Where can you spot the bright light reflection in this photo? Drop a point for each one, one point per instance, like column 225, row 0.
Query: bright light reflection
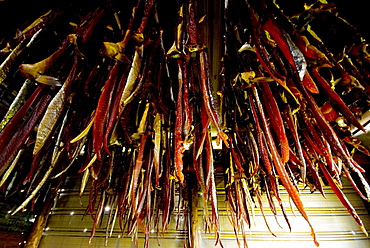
column 47, row 229
column 107, row 208
column 186, row 145
column 72, row 213
column 85, row 230
column 216, row 146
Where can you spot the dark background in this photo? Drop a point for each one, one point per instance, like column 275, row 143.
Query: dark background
column 13, row 12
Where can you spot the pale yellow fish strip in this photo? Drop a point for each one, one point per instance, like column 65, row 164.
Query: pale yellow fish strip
column 50, row 118
column 84, row 132
column 131, row 79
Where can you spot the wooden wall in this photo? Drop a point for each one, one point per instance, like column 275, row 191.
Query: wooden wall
column 333, row 225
